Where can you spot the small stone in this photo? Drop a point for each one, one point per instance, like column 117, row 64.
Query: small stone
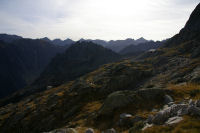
column 194, row 110
column 124, row 115
column 112, row 130
column 173, row 120
column 168, row 99
column 89, row 130
column 149, row 119
column 191, row 102
column 147, row 126
column 170, row 104
column 183, row 111
column 197, row 103
column 64, row 130
column 154, row 110
column 125, row 120
column 137, row 119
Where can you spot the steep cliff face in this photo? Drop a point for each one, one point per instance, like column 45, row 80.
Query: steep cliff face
column 193, row 24
column 191, row 31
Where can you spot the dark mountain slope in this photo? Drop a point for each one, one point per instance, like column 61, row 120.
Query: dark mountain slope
column 9, row 38
column 59, row 42
column 79, row 59
column 22, row 61
column 190, row 31
column 140, row 48
column 117, row 45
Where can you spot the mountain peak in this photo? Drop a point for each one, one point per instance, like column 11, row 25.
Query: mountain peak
column 141, row 40
column 46, row 39
column 193, row 24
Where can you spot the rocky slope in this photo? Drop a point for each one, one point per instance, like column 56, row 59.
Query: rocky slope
column 125, row 96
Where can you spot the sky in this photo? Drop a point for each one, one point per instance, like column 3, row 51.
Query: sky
column 95, row 19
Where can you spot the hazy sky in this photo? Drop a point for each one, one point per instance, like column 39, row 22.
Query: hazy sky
column 95, row 19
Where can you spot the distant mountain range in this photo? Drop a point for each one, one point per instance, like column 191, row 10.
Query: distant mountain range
column 30, row 57
column 115, row 45
column 142, row 47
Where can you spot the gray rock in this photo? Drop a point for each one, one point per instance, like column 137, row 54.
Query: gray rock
column 125, row 115
column 166, row 113
column 149, row 119
column 168, row 99
column 125, row 120
column 89, row 130
column 191, row 102
column 173, row 120
column 121, row 99
column 176, row 107
column 154, row 110
column 194, row 110
column 147, row 126
column 161, row 117
column 171, row 103
column 197, row 103
column 112, row 130
column 64, row 130
column 137, row 119
column 183, row 111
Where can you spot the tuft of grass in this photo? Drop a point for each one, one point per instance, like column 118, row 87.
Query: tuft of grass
column 188, row 90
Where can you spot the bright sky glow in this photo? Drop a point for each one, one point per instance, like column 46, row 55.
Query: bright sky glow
column 95, row 19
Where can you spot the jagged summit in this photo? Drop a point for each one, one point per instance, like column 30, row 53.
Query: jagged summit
column 193, row 24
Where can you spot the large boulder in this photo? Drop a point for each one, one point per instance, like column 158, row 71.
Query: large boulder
column 121, row 99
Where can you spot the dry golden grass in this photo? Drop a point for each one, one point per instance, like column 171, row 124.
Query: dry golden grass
column 183, row 91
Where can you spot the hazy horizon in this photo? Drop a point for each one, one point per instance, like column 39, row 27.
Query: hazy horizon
column 95, row 19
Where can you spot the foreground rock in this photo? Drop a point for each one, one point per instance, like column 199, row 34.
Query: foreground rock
column 64, row 130
column 170, row 115
column 122, row 99
column 112, row 130
column 89, row 130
